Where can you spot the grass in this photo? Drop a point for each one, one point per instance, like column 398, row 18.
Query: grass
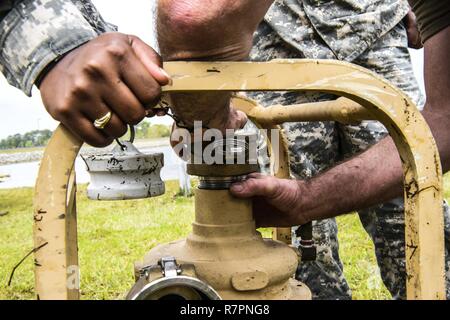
column 32, row 149
column 20, row 150
column 112, row 235
column 360, row 265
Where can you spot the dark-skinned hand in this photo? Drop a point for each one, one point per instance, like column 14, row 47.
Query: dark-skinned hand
column 115, row 73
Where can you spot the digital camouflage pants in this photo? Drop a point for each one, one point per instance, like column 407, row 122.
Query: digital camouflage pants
column 316, row 146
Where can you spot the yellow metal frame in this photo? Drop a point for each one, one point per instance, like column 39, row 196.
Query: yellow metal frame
column 55, row 220
column 55, row 214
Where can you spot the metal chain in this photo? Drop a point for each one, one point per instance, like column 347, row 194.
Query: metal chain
column 132, row 136
column 165, row 106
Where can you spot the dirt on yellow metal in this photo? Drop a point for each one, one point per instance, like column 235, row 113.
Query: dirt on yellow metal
column 411, row 134
column 230, row 255
column 55, row 219
column 343, row 110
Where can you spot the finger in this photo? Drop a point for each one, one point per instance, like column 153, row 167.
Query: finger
column 85, row 130
column 114, row 128
column 155, row 112
column 261, row 186
column 236, row 119
column 241, row 119
column 150, row 113
column 140, row 81
column 119, row 98
column 150, row 59
column 256, row 175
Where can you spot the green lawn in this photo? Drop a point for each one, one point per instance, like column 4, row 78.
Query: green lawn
column 19, row 150
column 112, row 235
column 148, row 141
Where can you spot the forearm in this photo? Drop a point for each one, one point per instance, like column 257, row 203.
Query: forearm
column 372, row 177
column 35, row 33
column 207, row 30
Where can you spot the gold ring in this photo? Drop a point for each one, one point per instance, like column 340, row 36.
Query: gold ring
column 101, row 123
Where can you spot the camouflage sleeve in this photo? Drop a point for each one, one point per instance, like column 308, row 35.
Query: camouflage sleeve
column 35, row 33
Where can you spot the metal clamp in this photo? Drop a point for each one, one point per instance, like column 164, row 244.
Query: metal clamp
column 169, row 267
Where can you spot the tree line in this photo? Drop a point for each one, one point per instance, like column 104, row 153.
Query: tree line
column 146, row 130
column 39, row 138
column 35, row 138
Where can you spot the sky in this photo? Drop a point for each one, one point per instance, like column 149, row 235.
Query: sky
column 19, row 114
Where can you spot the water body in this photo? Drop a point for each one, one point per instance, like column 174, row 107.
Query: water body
column 25, row 174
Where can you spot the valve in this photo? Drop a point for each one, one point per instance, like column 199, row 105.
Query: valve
column 235, row 157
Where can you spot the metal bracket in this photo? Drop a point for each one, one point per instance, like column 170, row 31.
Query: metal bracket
column 169, row 267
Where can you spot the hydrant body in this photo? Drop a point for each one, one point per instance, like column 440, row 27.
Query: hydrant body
column 229, row 255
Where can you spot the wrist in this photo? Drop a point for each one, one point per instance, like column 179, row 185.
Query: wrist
column 303, row 203
column 49, row 67
column 75, row 26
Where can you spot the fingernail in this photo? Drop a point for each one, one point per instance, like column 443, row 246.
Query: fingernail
column 169, row 79
column 237, row 187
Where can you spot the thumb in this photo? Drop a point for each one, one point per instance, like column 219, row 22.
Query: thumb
column 150, row 59
column 258, row 186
